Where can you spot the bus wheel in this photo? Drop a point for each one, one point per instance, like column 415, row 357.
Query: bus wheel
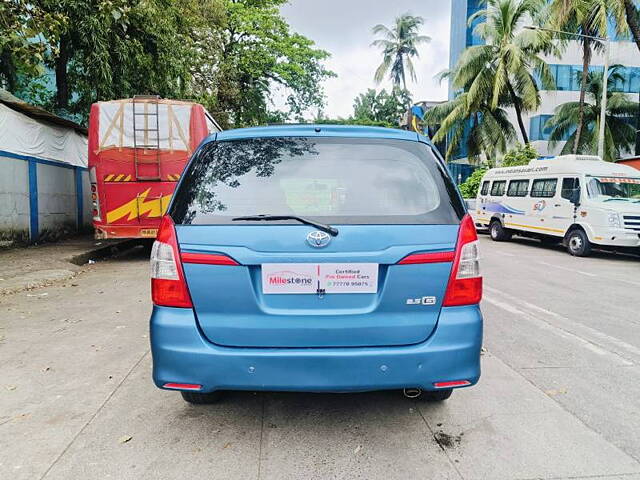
column 498, row 232
column 578, row 243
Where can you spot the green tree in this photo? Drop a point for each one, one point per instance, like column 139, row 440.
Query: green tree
column 501, row 72
column 620, row 133
column 104, row 49
column 493, row 77
column 256, row 55
column 519, row 155
column 399, row 45
column 591, row 18
column 473, row 124
column 365, row 122
column 469, row 188
column 381, row 106
column 631, row 16
column 21, row 47
column 233, row 55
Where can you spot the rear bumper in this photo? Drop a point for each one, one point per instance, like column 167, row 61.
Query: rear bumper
column 182, row 355
column 105, row 231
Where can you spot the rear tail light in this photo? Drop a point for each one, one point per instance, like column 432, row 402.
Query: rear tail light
column 168, row 284
column 431, row 257
column 95, row 199
column 207, row 259
column 455, row 383
column 182, row 386
column 95, row 202
column 465, row 282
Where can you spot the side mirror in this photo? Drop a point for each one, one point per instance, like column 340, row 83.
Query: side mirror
column 574, row 197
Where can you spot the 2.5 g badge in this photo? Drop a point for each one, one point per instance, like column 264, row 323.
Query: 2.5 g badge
column 422, row 301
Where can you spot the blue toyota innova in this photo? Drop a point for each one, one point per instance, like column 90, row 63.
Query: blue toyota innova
column 316, row 258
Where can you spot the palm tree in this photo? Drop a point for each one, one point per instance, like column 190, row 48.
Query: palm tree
column 631, row 16
column 502, row 70
column 620, row 132
column 484, row 130
column 399, row 45
column 587, row 17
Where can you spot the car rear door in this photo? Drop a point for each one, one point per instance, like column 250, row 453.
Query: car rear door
column 279, row 289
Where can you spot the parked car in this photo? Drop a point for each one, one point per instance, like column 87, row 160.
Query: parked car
column 579, row 200
column 316, row 258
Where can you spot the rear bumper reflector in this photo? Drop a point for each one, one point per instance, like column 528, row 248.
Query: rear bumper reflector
column 455, row 383
column 432, row 257
column 182, row 386
column 207, row 259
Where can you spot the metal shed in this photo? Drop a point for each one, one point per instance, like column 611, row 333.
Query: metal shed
column 44, row 183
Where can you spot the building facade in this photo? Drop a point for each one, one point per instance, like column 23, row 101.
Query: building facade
column 565, row 69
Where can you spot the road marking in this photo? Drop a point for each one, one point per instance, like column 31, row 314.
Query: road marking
column 505, row 306
column 563, row 332
column 544, row 325
column 637, row 284
column 568, row 269
column 597, row 333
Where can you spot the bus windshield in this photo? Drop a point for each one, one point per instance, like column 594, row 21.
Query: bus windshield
column 614, row 188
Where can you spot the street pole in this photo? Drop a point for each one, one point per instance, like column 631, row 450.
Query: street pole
column 603, row 102
column 638, row 128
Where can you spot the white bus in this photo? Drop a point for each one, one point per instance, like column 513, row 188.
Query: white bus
column 578, row 200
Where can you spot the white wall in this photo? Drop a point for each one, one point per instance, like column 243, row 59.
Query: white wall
column 14, row 198
column 57, row 206
column 57, row 200
column 40, row 142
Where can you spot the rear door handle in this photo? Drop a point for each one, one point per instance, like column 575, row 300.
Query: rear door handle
column 557, row 205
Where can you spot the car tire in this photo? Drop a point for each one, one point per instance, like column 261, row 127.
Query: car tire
column 578, row 243
column 436, row 395
column 197, row 398
column 498, row 233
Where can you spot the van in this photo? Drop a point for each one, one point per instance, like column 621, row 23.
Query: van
column 578, row 200
column 319, row 259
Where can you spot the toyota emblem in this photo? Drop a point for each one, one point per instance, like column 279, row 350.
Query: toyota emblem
column 318, row 239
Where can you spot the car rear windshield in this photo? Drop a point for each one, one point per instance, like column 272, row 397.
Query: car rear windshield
column 334, row 180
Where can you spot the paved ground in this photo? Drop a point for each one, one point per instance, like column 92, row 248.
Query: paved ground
column 559, row 396
column 40, row 265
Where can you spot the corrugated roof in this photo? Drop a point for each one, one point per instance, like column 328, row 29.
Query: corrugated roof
column 38, row 113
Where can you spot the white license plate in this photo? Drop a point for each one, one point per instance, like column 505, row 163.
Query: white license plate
column 288, row 278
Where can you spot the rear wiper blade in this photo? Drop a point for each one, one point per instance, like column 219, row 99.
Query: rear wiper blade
column 273, row 218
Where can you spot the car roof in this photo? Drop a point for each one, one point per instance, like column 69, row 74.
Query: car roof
column 318, row 130
column 565, row 165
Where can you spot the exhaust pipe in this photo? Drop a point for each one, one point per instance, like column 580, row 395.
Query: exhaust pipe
column 412, row 392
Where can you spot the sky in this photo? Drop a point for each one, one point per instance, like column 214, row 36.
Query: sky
column 343, row 28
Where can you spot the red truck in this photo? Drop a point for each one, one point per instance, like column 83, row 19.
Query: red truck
column 138, row 148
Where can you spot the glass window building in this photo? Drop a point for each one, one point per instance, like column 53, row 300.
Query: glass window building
column 566, row 71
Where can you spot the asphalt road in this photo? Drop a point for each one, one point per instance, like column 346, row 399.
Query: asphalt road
column 559, row 396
